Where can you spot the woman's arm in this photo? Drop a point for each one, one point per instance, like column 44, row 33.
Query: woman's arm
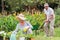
column 17, row 27
column 30, row 26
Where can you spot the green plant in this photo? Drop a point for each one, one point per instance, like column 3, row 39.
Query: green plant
column 8, row 23
column 57, row 11
column 36, row 20
column 57, row 21
column 57, row 17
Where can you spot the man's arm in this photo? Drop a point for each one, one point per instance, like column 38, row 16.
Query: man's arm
column 46, row 19
column 52, row 14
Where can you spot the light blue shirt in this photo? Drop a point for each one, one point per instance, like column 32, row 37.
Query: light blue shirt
column 27, row 24
column 49, row 12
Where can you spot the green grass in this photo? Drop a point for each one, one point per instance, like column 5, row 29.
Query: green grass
column 56, row 35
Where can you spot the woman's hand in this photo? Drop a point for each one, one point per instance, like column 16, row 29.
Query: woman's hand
column 25, row 29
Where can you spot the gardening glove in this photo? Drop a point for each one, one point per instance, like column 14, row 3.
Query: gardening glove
column 25, row 29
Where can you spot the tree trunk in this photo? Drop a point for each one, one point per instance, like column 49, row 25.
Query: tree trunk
column 59, row 3
column 2, row 6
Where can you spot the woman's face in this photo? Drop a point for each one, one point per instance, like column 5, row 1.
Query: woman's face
column 22, row 22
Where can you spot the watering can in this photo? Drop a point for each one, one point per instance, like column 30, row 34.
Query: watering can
column 13, row 36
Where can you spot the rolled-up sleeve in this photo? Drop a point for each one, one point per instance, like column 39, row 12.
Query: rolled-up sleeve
column 30, row 28
column 30, row 25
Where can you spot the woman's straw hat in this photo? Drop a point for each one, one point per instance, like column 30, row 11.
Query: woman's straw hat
column 21, row 16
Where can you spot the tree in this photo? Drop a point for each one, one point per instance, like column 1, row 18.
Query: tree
column 2, row 1
column 18, row 5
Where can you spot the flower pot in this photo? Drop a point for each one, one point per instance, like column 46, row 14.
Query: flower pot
column 7, row 39
column 32, row 39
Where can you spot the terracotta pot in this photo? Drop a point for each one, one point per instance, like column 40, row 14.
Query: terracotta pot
column 32, row 39
column 6, row 38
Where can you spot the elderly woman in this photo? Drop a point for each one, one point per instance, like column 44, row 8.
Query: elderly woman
column 23, row 25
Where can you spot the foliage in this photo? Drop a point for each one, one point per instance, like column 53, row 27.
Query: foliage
column 36, row 20
column 57, row 11
column 57, row 21
column 57, row 17
column 19, row 4
column 7, row 23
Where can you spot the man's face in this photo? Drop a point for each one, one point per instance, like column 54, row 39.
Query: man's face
column 46, row 7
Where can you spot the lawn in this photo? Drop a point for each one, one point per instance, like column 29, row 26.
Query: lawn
column 56, row 35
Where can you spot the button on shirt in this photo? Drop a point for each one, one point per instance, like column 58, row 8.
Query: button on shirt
column 49, row 12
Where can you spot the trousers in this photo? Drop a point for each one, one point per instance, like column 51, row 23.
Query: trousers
column 49, row 30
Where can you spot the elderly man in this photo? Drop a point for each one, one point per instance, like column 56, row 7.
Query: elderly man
column 50, row 18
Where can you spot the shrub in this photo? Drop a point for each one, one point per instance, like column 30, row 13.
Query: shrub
column 7, row 23
column 36, row 20
column 57, row 21
column 57, row 18
column 57, row 11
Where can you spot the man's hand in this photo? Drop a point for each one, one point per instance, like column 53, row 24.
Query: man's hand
column 46, row 21
column 51, row 17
